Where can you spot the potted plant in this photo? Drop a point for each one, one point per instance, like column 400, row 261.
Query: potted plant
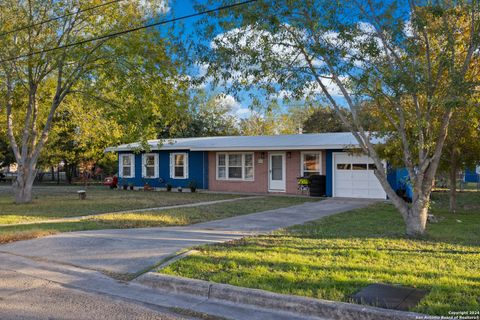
column 193, row 185
column 130, row 185
column 169, row 187
column 179, row 189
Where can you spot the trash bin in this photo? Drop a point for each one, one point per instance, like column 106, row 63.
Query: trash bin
column 82, row 194
column 317, row 185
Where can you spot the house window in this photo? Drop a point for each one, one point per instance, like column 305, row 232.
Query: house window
column 127, row 166
column 179, row 165
column 235, row 166
column 150, row 165
column 359, row 166
column 248, row 166
column 222, row 166
column 310, row 164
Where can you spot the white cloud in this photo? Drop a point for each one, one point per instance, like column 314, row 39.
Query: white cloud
column 281, row 48
column 153, row 8
column 282, row 94
column 332, row 88
column 236, row 108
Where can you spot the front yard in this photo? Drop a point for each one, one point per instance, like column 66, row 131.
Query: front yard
column 58, row 204
column 62, row 201
column 334, row 257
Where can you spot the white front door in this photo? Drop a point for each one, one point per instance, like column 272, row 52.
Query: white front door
column 276, row 180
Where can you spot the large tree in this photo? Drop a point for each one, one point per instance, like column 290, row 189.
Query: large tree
column 414, row 59
column 115, row 70
column 325, row 120
column 209, row 115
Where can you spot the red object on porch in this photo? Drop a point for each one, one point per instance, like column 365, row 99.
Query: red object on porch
column 112, row 182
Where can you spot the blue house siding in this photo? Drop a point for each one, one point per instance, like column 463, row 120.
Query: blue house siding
column 329, row 172
column 197, row 170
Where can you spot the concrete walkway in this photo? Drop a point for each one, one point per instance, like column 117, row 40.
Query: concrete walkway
column 131, row 251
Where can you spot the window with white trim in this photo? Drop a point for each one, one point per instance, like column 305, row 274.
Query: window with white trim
column 150, row 165
column 235, row 166
column 179, row 165
column 310, row 164
column 127, row 166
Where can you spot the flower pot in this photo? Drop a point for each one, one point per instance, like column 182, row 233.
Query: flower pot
column 125, row 187
column 193, row 189
column 131, row 187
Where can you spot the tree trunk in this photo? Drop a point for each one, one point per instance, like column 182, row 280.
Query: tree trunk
column 69, row 169
column 416, row 219
column 453, row 185
column 23, row 184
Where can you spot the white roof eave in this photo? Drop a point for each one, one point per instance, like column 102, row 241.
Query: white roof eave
column 270, row 148
column 245, row 148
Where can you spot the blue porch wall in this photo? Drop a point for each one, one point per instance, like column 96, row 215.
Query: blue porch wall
column 396, row 177
column 197, row 170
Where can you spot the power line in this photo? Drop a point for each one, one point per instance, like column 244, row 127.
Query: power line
column 119, row 33
column 59, row 17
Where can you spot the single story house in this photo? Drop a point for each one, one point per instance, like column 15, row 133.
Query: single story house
column 253, row 164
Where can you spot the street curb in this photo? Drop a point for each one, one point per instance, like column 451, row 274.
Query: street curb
column 268, row 300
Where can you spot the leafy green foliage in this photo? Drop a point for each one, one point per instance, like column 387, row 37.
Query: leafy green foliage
column 85, row 97
column 6, row 154
column 209, row 115
column 324, row 120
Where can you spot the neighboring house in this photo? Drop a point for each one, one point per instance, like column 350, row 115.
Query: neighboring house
column 254, row 164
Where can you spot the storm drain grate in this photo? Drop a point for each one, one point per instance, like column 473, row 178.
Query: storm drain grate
column 389, row 296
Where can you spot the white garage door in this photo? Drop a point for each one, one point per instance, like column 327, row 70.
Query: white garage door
column 353, row 177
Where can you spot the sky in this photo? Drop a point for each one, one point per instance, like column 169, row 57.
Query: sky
column 240, row 108
column 186, row 7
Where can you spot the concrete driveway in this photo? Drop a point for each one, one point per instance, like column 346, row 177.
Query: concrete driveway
column 130, row 251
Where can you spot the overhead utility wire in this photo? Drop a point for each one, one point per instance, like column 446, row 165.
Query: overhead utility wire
column 59, row 17
column 119, row 33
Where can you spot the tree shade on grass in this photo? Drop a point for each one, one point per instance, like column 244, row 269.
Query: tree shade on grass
column 334, row 257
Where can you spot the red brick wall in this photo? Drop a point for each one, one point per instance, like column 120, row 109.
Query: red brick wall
column 260, row 184
column 293, row 171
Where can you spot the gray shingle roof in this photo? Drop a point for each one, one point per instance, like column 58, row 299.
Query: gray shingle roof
column 337, row 140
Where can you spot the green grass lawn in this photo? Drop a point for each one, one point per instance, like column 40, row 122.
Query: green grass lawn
column 62, row 201
column 171, row 217
column 334, row 257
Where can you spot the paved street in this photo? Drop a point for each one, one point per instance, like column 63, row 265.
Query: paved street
column 28, row 297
